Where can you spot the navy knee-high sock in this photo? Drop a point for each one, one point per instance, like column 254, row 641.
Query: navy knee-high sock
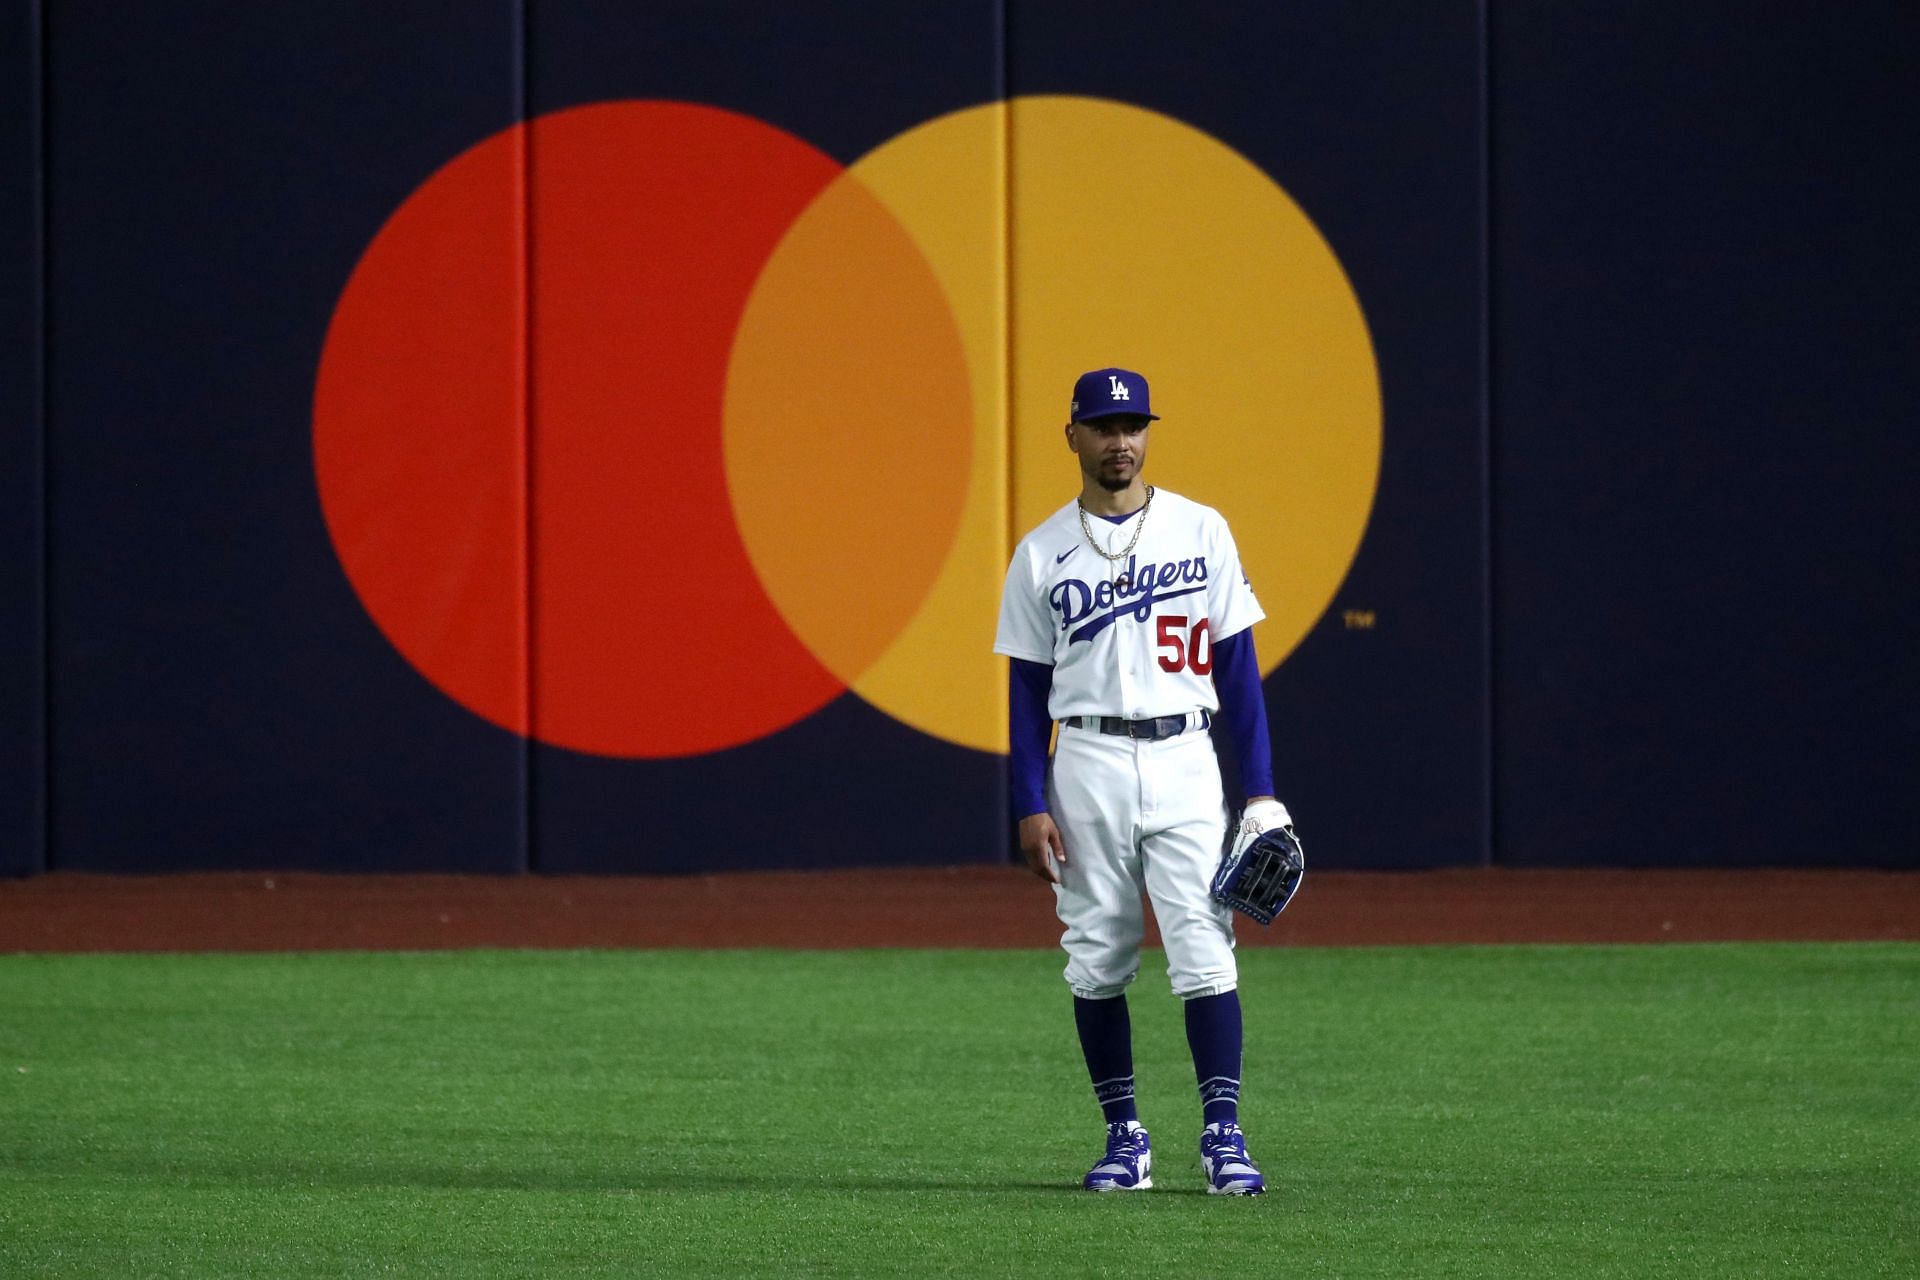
column 1106, row 1039
column 1213, row 1033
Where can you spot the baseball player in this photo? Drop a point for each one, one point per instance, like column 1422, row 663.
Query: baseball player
column 1126, row 620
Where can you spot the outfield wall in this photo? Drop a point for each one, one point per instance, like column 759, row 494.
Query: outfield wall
column 394, row 485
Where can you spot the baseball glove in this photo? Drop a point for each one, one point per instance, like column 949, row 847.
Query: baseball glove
column 1263, row 863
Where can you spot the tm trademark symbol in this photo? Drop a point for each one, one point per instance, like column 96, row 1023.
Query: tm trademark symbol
column 1358, row 619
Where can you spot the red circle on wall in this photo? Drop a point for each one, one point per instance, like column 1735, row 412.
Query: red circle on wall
column 517, row 429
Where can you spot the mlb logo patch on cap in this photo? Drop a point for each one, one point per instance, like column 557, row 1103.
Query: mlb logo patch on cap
column 1107, row 393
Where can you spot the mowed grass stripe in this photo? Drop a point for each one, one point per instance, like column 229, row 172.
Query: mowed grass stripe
column 1603, row 1111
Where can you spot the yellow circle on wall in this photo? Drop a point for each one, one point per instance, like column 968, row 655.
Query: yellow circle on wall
column 1065, row 234
column 1142, row 242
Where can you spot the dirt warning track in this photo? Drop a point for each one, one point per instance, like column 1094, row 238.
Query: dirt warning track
column 946, row 907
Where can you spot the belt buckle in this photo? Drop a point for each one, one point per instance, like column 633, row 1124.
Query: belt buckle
column 1131, row 726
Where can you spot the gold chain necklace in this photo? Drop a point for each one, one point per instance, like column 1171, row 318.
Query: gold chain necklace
column 1131, row 543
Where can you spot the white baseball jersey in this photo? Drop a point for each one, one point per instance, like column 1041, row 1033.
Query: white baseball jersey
column 1131, row 638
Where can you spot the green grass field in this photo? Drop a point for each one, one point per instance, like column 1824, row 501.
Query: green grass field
column 1599, row 1111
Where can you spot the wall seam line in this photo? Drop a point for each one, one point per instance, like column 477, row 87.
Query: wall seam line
column 42, row 98
column 1010, row 533
column 522, row 111
column 1004, row 14
column 1490, row 713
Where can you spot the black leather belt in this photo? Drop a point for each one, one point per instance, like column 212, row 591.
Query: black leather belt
column 1145, row 730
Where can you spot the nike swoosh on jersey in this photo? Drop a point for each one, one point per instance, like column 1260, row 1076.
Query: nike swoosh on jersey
column 1062, row 557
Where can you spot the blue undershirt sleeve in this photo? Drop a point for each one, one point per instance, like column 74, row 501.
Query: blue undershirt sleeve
column 1029, row 730
column 1236, row 678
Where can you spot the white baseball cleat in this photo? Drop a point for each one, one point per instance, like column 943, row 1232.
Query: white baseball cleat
column 1128, row 1164
column 1230, row 1170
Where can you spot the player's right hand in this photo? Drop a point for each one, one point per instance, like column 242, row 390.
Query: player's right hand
column 1040, row 844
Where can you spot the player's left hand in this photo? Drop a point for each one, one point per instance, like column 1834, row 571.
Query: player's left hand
column 1263, row 813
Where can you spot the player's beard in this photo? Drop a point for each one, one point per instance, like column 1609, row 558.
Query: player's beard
column 1113, row 481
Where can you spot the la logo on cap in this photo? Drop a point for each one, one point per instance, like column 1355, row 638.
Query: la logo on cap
column 1106, row 393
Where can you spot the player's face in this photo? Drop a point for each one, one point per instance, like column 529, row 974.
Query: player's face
column 1112, row 450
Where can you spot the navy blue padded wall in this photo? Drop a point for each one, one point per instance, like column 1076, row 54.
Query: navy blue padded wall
column 222, row 698
column 1701, row 333
column 1705, row 380
column 22, row 604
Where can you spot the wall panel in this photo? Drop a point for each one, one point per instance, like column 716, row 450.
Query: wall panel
column 710, row 698
column 1704, row 389
column 223, row 699
column 1368, row 117
column 22, row 555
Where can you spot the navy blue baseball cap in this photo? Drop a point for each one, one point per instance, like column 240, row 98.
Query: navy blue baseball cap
column 1107, row 393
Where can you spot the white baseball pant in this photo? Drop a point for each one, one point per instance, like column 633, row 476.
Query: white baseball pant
column 1137, row 816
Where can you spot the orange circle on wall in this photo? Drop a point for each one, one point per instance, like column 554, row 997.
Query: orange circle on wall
column 517, row 426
